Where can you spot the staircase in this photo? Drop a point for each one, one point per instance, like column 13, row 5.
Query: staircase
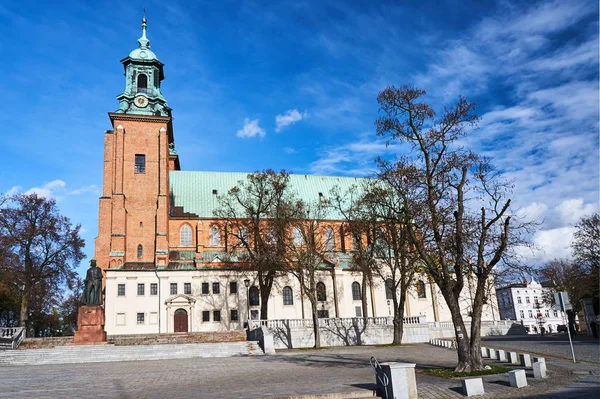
column 111, row 353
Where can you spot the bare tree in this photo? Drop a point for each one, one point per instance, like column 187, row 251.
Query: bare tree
column 586, row 253
column 456, row 203
column 395, row 259
column 564, row 275
column 40, row 247
column 254, row 217
column 306, row 255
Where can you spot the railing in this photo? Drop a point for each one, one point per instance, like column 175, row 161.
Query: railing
column 380, row 376
column 327, row 322
column 14, row 335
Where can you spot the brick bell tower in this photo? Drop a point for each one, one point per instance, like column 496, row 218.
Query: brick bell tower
column 138, row 154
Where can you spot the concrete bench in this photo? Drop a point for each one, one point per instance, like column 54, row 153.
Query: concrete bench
column 517, row 378
column 472, row 386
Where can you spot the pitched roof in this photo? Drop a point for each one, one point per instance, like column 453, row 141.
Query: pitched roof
column 194, row 191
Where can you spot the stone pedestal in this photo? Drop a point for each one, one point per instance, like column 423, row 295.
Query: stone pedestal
column 513, row 358
column 90, row 326
column 402, row 380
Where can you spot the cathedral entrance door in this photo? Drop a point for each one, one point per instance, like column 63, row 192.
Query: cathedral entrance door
column 180, row 320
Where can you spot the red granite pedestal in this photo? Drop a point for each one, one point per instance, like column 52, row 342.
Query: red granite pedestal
column 90, row 326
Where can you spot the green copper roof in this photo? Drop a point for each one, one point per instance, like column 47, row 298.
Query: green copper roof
column 143, row 52
column 194, row 190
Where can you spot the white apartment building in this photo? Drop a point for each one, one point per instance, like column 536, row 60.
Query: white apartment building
column 528, row 303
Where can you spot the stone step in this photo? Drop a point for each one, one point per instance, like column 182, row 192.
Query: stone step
column 110, row 353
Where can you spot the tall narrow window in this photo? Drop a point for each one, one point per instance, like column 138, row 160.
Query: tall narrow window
column 140, row 251
column 355, row 291
column 355, row 241
column 253, row 294
column 185, row 236
column 421, row 289
column 140, row 163
column 288, row 296
column 389, row 289
column 142, row 83
column 243, row 235
column 321, row 293
column 329, row 239
column 214, row 236
column 297, row 238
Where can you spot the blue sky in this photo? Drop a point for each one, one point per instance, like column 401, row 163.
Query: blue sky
column 292, row 85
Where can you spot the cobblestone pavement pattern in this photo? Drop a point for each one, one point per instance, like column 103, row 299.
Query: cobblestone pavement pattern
column 288, row 373
column 587, row 349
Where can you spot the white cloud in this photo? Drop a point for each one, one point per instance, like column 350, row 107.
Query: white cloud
column 572, row 210
column 553, row 243
column 290, row 117
column 251, row 129
column 289, row 150
column 56, row 189
column 48, row 190
column 534, row 212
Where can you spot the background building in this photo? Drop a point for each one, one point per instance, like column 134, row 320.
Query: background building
column 525, row 302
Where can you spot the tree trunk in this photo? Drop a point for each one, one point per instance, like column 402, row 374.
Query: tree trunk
column 24, row 318
column 466, row 362
column 316, row 331
column 399, row 319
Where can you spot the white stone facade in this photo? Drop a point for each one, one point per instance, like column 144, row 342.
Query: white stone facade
column 206, row 298
column 524, row 302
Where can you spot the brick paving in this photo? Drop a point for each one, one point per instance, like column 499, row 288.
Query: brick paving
column 294, row 372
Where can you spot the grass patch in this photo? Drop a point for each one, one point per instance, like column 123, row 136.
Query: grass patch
column 447, row 372
column 312, row 348
column 389, row 345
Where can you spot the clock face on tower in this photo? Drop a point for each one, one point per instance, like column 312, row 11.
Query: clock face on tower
column 141, row 101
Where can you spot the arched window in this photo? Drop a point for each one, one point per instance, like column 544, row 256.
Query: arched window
column 297, row 238
column 329, row 239
column 254, row 297
column 142, row 83
column 214, row 236
column 389, row 286
column 321, row 293
column 355, row 291
column 185, row 236
column 140, row 251
column 288, row 296
column 243, row 234
column 355, row 241
column 421, row 289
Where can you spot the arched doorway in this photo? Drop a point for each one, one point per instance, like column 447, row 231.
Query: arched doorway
column 180, row 320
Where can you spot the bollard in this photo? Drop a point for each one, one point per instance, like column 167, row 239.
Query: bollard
column 501, row 355
column 472, row 387
column 402, row 380
column 517, row 378
column 525, row 360
column 539, row 370
column 484, row 352
column 513, row 358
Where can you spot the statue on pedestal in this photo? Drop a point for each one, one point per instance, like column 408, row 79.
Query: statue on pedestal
column 92, row 293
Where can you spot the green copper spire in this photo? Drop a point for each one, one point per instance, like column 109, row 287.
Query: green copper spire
column 143, row 76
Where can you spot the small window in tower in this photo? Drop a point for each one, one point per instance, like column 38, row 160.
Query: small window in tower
column 140, row 251
column 140, row 163
column 156, row 79
column 142, row 83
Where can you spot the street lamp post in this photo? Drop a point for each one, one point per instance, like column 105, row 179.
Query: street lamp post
column 247, row 285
